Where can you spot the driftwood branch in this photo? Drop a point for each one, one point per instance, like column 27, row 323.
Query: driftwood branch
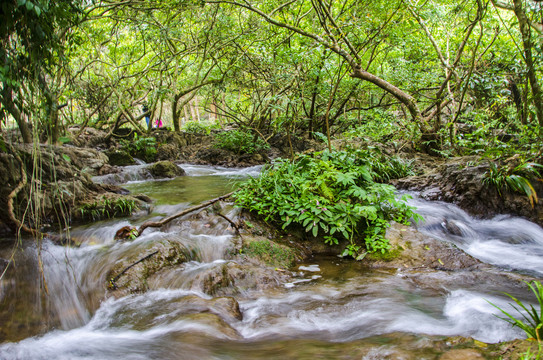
column 131, row 232
column 234, row 225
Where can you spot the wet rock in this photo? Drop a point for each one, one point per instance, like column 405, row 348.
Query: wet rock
column 221, row 328
column 214, row 156
column 231, row 278
column 415, row 250
column 120, row 158
column 108, row 169
column 462, row 354
column 225, row 307
column 130, row 274
column 165, row 169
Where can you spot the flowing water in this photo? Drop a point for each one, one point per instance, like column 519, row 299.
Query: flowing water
column 330, row 308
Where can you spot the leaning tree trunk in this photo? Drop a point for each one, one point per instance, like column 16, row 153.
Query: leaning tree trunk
column 406, row 99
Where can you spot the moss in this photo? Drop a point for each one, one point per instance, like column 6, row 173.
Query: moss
column 390, row 255
column 270, row 253
column 120, row 158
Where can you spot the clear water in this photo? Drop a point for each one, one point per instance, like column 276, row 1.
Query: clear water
column 331, row 308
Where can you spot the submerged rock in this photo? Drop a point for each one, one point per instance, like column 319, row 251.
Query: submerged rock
column 462, row 354
column 231, row 278
column 225, row 307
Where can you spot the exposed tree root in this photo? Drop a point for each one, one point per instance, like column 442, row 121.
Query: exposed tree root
column 11, row 197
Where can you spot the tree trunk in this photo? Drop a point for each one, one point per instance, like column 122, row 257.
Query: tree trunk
column 528, row 59
column 192, row 111
column 175, row 116
column 405, row 99
column 7, row 96
column 187, row 117
column 196, row 109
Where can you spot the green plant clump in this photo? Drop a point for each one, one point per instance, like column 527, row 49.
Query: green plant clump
column 199, row 128
column 108, row 208
column 240, row 142
column 514, row 179
column 532, row 319
column 334, row 194
column 144, row 148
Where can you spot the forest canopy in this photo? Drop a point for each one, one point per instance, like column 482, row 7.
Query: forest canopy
column 456, row 76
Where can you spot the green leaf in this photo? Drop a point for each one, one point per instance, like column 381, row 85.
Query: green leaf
column 315, row 231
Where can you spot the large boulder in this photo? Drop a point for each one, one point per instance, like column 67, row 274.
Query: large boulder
column 165, row 169
column 90, row 161
column 130, row 274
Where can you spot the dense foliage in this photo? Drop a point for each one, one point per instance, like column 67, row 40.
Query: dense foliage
column 332, row 194
column 144, row 148
column 240, row 142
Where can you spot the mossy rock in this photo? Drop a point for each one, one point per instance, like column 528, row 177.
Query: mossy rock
column 130, row 275
column 120, row 158
column 269, row 252
column 165, row 169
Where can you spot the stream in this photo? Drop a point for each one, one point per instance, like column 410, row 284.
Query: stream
column 330, row 308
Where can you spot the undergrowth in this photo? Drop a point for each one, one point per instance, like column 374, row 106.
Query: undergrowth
column 515, row 179
column 240, row 142
column 144, row 148
column 335, row 195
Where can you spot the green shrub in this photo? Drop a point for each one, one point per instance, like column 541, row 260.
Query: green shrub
column 333, row 194
column 240, row 142
column 199, row 128
column 144, row 148
column 515, row 179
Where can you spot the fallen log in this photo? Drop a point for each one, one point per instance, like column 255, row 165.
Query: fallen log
column 132, row 232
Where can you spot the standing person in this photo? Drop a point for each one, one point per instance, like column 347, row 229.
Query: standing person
column 145, row 110
column 158, row 123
